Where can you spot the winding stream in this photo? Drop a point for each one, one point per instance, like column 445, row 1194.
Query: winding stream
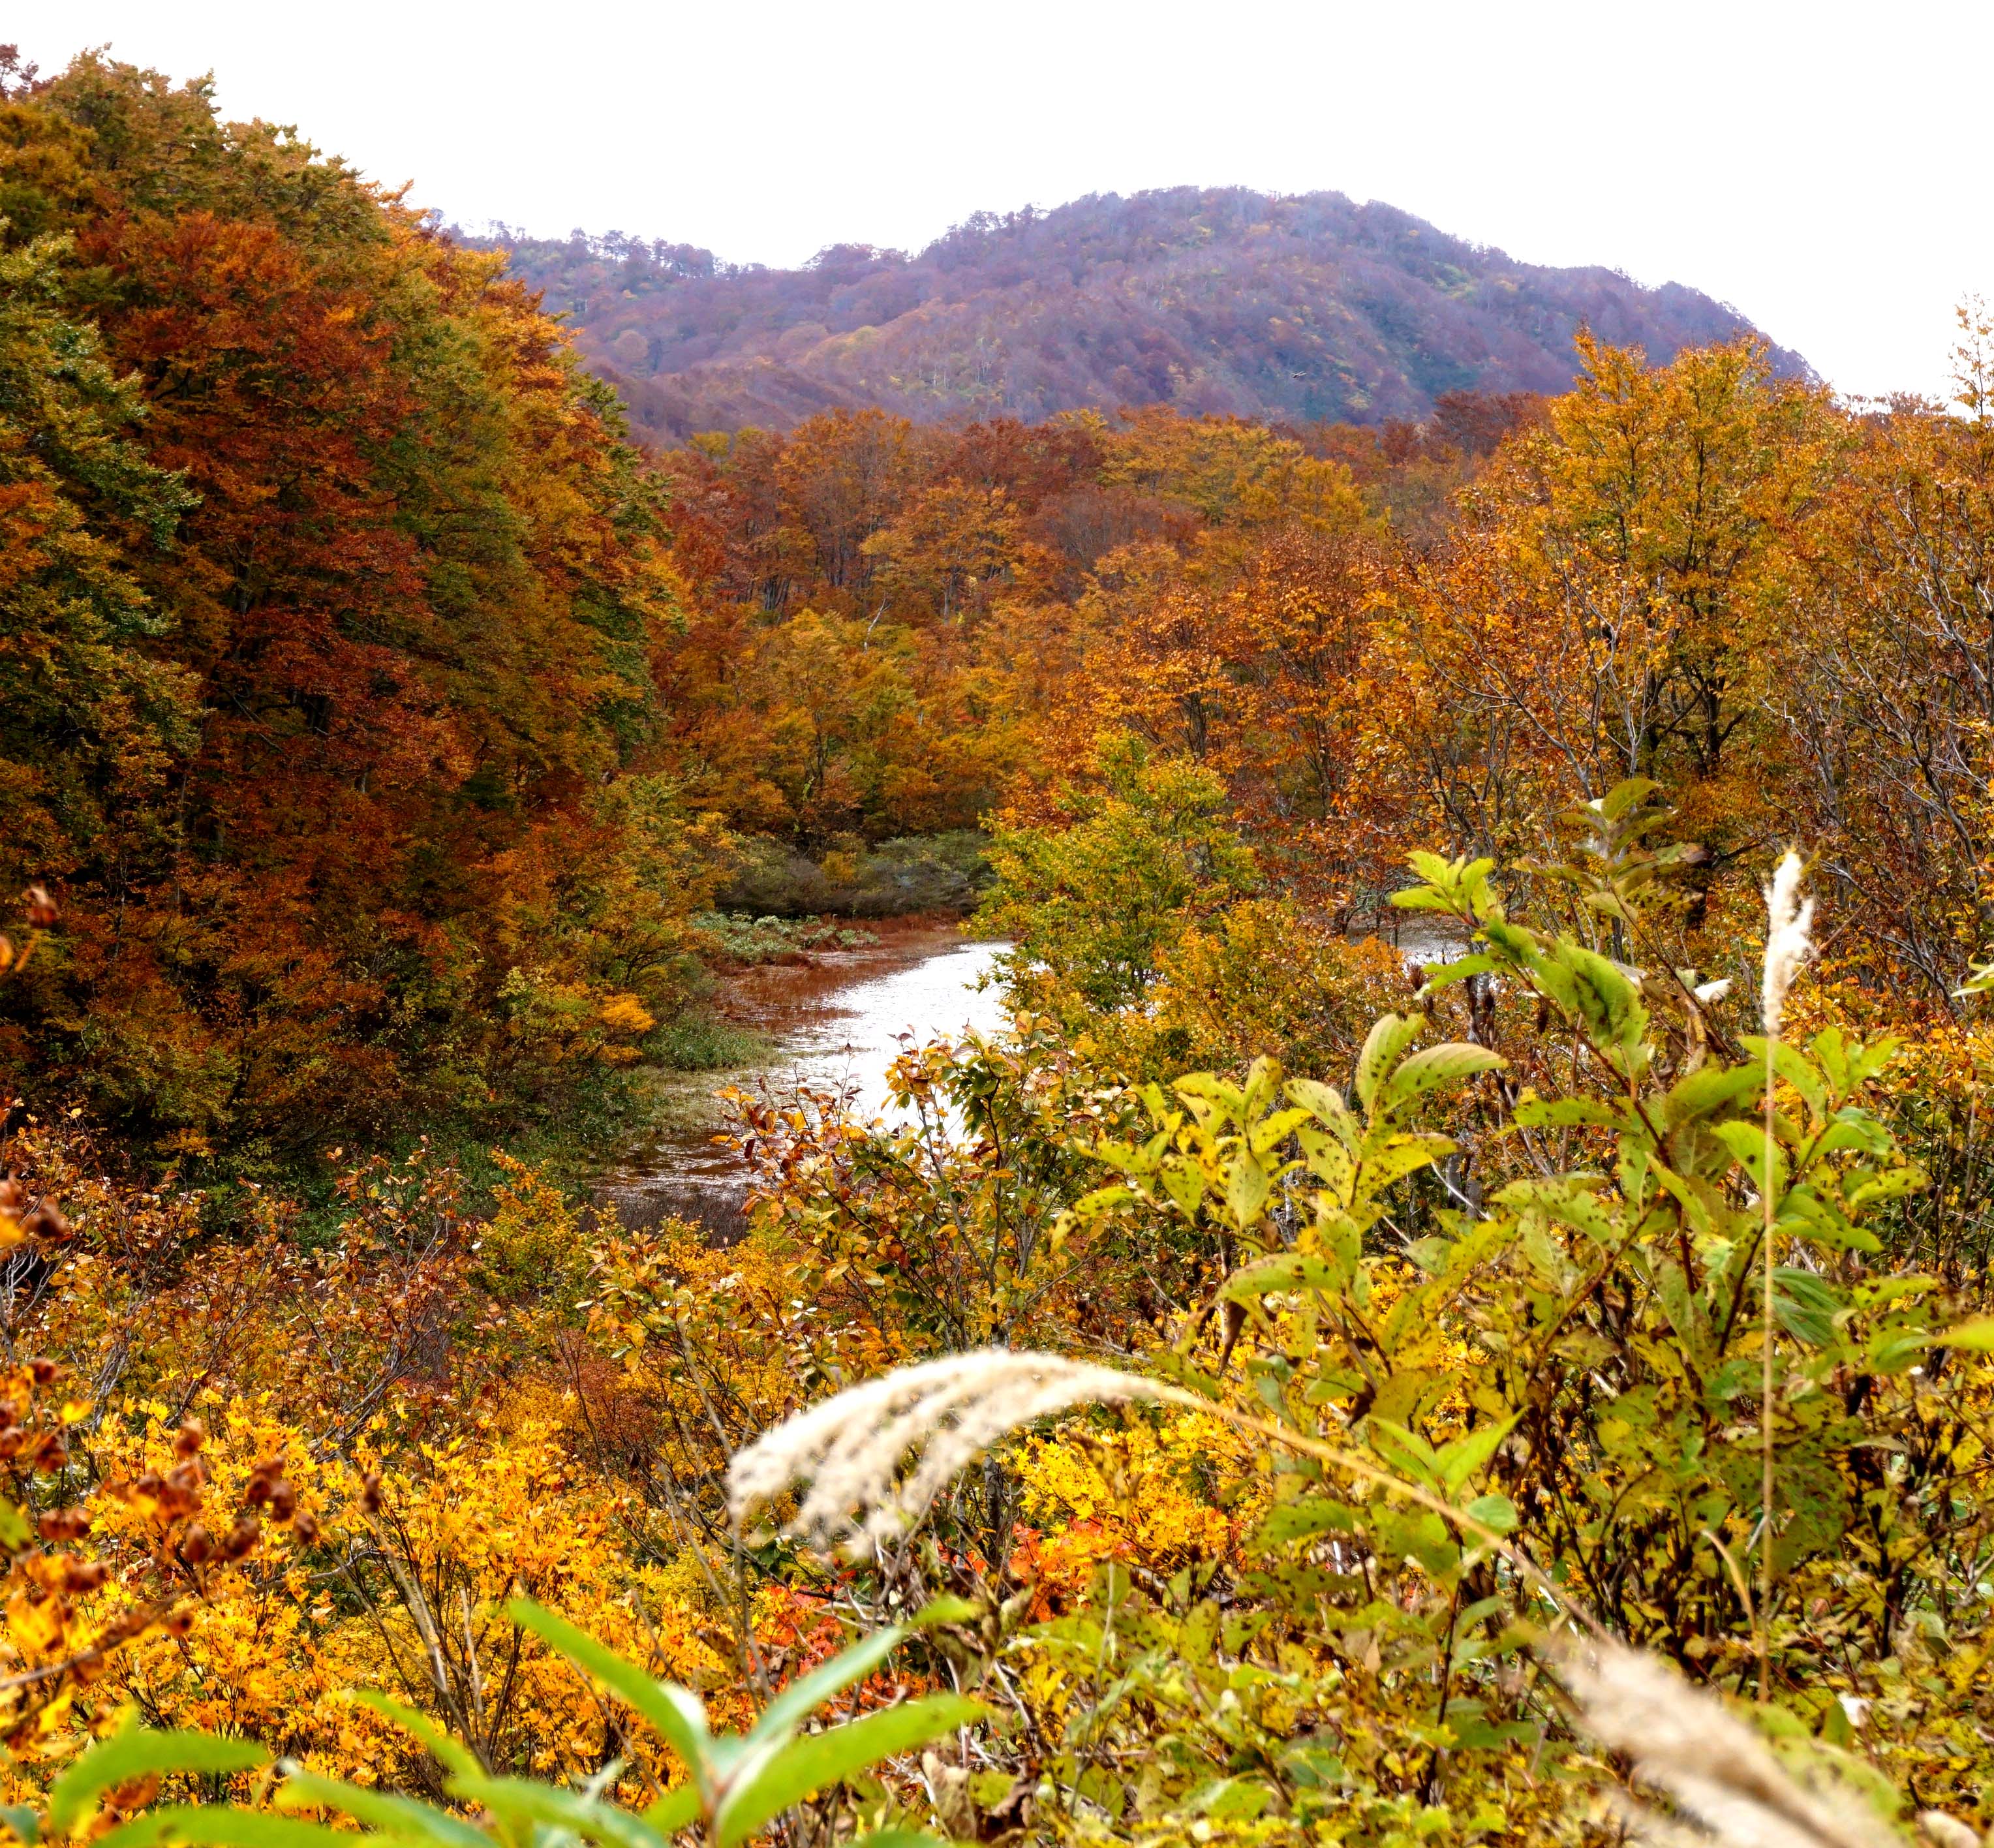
column 836, row 1021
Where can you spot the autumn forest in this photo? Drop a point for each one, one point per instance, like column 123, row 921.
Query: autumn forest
column 1458, row 1305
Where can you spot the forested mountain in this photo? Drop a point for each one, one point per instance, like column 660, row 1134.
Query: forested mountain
column 1215, row 302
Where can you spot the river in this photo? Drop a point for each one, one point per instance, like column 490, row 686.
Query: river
column 837, row 1020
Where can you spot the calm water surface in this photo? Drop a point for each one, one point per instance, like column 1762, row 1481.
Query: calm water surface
column 836, row 1022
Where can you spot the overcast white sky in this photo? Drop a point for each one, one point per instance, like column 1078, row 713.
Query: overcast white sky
column 1822, row 166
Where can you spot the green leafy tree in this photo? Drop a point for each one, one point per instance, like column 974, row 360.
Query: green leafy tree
column 1091, row 906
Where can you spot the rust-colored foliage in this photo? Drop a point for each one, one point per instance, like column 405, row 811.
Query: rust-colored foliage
column 365, row 590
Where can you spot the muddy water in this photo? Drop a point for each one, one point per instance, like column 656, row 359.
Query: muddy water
column 836, row 1022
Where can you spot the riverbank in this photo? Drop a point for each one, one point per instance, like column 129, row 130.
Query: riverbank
column 886, row 882
column 831, row 1019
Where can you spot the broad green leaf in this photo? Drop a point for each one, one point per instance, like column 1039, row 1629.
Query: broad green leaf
column 16, row 1534
column 1406, row 1451
column 451, row 1754
column 1607, row 1003
column 1340, row 1239
column 1447, row 974
column 1804, row 1304
column 1291, row 1270
column 1430, row 1253
column 1571, row 1201
column 1413, row 899
column 1804, row 1214
column 1183, row 1180
column 797, row 1701
column 1210, row 1095
column 1497, row 1512
column 1792, row 1066
column 1325, row 1103
column 1746, row 1141
column 1451, row 885
column 1978, row 1335
column 677, row 1809
column 1890, row 1184
column 1416, row 1535
column 1395, row 1157
column 1240, row 1797
column 1519, row 949
column 1329, row 1158
column 1565, row 1113
column 1706, row 1092
column 947, row 1608
column 1818, row 1506
column 1199, row 1632
column 545, row 1803
column 1246, row 1190
column 1303, row 1519
column 1434, row 1067
column 1857, row 1130
column 808, row 1765
column 1546, row 1255
column 135, row 1752
column 1851, row 1063
column 1630, row 793
column 223, row 1825
column 1696, row 1197
column 1473, row 1731
column 1313, row 1767
column 380, row 1809
column 1261, row 1080
column 676, row 1714
column 1390, row 1037
column 1890, row 1351
column 1272, row 1130
column 1686, row 1313
column 1460, row 1459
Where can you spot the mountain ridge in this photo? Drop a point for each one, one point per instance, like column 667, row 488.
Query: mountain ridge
column 1305, row 307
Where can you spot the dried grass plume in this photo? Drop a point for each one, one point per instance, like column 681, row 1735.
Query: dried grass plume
column 876, row 1455
column 1789, row 921
column 1720, row 1772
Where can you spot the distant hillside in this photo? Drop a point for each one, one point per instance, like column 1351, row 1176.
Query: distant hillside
column 1309, row 309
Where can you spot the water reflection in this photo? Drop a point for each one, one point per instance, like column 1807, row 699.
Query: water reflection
column 838, row 1023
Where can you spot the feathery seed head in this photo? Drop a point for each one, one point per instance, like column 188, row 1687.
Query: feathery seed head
column 1716, row 1768
column 1789, row 921
column 876, row 1455
column 1947, row 1831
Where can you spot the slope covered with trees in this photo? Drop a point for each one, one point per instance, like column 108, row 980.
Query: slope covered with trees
column 335, row 601
column 1303, row 308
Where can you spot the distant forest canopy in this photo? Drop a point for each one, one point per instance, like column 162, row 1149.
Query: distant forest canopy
column 1215, row 302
